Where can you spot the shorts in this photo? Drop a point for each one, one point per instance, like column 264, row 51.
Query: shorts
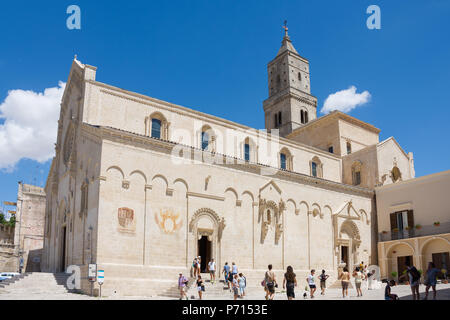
column 357, row 285
column 323, row 285
column 212, row 271
column 241, row 289
column 414, row 284
column 312, row 286
column 270, row 287
column 290, row 290
column 344, row 284
column 235, row 291
column 199, row 289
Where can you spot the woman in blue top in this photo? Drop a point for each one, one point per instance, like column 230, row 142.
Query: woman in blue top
column 226, row 272
column 432, row 273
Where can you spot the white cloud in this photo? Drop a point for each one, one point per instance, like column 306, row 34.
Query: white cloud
column 30, row 125
column 345, row 100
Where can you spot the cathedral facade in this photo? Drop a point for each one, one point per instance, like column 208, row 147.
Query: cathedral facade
column 141, row 186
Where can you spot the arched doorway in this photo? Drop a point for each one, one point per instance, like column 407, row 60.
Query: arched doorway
column 206, row 226
column 348, row 242
column 436, row 250
column 398, row 257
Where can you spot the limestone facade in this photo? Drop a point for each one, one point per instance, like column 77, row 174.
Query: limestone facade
column 414, row 223
column 29, row 228
column 142, row 206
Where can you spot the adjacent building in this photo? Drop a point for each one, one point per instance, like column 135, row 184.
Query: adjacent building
column 414, row 224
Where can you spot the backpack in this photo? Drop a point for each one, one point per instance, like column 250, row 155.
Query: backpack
column 323, row 277
column 414, row 273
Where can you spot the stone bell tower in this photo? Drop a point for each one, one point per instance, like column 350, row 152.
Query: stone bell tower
column 290, row 103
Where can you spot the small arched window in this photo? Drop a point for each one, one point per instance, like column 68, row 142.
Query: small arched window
column 316, row 167
column 207, row 138
column 285, row 159
column 247, row 152
column 349, row 147
column 303, row 116
column 156, row 126
column 356, row 173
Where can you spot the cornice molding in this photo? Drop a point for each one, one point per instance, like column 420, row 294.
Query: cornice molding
column 132, row 138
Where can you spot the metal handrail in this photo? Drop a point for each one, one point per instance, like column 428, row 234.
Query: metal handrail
column 415, row 232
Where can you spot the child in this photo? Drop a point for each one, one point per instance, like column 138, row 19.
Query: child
column 311, row 283
column 387, row 292
column 323, row 278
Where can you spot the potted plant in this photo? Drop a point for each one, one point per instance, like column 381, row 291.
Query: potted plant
column 437, row 224
column 394, row 274
column 418, row 226
column 444, row 272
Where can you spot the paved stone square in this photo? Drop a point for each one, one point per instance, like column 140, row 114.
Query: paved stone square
column 403, row 291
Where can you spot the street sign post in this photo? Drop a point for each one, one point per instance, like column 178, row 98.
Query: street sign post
column 100, row 279
column 92, row 275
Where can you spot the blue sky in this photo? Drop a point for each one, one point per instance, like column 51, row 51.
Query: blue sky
column 212, row 56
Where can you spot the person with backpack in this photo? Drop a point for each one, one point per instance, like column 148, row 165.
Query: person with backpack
column 323, row 279
column 230, row 280
column 195, row 266
column 182, row 283
column 414, row 280
column 269, row 281
column 226, row 271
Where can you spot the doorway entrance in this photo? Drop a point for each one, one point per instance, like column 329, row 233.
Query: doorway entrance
column 441, row 261
column 204, row 251
column 63, row 250
column 344, row 256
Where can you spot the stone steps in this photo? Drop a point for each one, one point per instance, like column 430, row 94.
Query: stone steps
column 37, row 282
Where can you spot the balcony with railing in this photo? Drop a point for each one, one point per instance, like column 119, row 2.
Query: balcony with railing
column 427, row 230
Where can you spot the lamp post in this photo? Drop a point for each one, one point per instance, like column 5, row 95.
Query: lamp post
column 19, row 253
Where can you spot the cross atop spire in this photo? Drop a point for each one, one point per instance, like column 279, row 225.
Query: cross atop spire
column 286, row 44
column 285, row 28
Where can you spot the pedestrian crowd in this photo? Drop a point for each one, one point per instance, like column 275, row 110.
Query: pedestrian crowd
column 236, row 282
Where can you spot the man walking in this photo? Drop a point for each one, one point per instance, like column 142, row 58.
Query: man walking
column 226, row 271
column 182, row 282
column 212, row 270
